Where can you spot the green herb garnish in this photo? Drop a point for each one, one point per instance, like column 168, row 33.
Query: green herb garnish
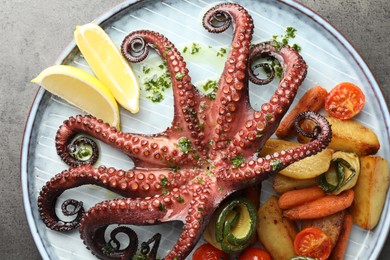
column 185, row 145
column 161, row 207
column 211, row 88
column 156, row 86
column 145, row 69
column 289, row 34
column 221, row 52
column 237, row 160
column 276, row 164
column 195, row 48
column 179, row 75
column 164, row 182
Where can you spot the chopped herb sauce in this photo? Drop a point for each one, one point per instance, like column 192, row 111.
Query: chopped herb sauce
column 278, row 42
column 237, row 160
column 195, row 48
column 210, row 88
column 156, row 85
column 276, row 164
column 164, row 182
column 185, row 145
column 221, row 52
column 180, row 75
column 161, row 207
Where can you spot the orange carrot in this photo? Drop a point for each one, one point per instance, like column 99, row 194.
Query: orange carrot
column 321, row 207
column 342, row 242
column 312, row 100
column 295, row 198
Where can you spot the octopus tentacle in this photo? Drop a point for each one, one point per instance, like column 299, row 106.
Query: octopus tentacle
column 146, row 151
column 148, row 211
column 195, row 222
column 262, row 124
column 186, row 96
column 263, row 167
column 111, row 249
column 232, row 96
column 132, row 183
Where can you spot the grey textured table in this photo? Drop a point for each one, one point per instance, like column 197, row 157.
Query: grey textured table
column 33, row 33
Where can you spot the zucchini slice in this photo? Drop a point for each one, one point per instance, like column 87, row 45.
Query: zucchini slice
column 342, row 174
column 232, row 226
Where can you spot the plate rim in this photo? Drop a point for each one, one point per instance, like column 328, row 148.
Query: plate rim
column 301, row 8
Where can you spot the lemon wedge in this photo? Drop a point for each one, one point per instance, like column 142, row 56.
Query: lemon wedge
column 81, row 89
column 108, row 64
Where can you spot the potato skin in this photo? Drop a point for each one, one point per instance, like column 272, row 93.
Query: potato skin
column 307, row 168
column 347, row 135
column 370, row 191
column 275, row 232
column 282, row 183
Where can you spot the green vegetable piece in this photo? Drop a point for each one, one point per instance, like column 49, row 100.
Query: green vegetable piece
column 235, row 224
column 342, row 174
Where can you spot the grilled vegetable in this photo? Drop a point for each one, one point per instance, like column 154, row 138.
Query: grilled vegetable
column 281, row 183
column 370, row 191
column 343, row 173
column 275, row 232
column 347, row 135
column 307, row 168
column 313, row 242
column 232, row 226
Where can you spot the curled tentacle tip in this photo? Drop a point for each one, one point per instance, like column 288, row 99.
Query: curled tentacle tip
column 254, row 78
column 321, row 129
column 216, row 20
column 77, row 207
column 82, row 151
column 134, row 48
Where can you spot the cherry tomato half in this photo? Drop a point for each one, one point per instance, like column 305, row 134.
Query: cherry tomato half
column 312, row 242
column 208, row 252
column 254, row 253
column 344, row 101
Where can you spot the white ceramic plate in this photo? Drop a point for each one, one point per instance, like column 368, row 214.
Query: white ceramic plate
column 331, row 60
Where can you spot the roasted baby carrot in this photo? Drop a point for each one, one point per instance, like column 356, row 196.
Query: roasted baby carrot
column 321, row 207
column 295, row 198
column 342, row 242
column 312, row 100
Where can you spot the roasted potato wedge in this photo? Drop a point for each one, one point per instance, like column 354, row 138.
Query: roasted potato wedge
column 282, row 183
column 307, row 168
column 275, row 232
column 347, row 135
column 370, row 191
column 331, row 225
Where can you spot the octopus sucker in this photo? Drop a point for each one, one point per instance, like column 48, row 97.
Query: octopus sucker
column 208, row 153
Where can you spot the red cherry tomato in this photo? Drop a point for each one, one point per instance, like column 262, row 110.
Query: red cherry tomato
column 208, row 252
column 254, row 253
column 313, row 242
column 344, row 101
